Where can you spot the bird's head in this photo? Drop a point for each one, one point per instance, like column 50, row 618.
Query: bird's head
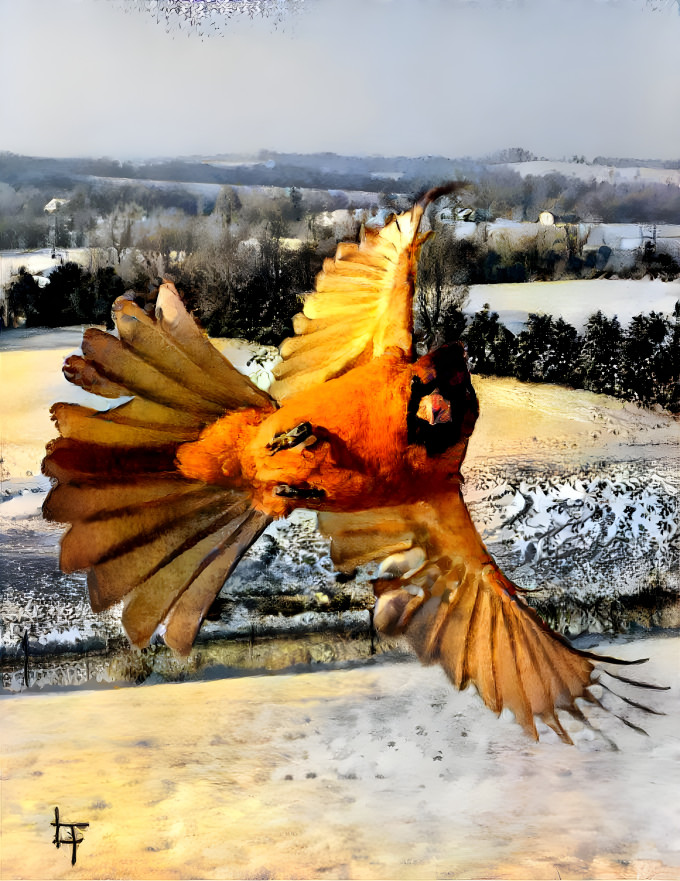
column 443, row 406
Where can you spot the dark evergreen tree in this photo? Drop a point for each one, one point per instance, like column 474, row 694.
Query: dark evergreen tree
column 23, row 300
column 547, row 351
column 601, row 357
column 647, row 359
column 452, row 321
column 296, row 204
column 491, row 346
column 106, row 286
column 563, row 367
column 673, row 397
column 67, row 298
column 534, row 348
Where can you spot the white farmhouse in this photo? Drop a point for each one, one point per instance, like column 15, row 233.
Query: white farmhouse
column 54, row 205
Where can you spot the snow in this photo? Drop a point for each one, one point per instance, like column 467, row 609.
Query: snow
column 40, row 260
column 600, row 173
column 587, row 532
column 26, row 504
column 574, row 300
column 375, row 772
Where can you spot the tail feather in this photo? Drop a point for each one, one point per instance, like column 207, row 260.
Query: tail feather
column 148, row 535
column 174, row 321
column 73, row 461
column 160, row 352
column 113, row 578
column 83, row 373
column 74, row 503
column 148, row 603
column 202, row 570
column 147, row 413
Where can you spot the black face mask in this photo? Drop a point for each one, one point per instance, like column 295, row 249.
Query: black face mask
column 452, row 380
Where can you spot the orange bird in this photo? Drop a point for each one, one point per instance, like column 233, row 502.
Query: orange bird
column 166, row 492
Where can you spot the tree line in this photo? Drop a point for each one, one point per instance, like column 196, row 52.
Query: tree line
column 243, row 288
column 639, row 362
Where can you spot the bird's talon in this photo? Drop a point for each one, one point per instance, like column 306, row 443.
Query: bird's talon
column 286, row 491
column 301, row 434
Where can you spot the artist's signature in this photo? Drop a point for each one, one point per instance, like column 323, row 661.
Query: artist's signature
column 68, row 833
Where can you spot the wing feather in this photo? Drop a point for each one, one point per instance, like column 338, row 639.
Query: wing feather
column 458, row 609
column 113, row 578
column 359, row 538
column 190, row 607
column 362, row 305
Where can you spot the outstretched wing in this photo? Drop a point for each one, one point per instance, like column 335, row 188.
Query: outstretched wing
column 439, row 586
column 362, row 305
column 147, row 534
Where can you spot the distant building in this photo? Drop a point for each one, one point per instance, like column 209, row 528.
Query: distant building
column 387, row 175
column 291, row 244
column 54, row 205
column 464, row 215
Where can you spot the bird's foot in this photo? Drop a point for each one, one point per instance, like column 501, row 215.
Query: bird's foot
column 301, row 435
column 284, row 490
column 402, row 590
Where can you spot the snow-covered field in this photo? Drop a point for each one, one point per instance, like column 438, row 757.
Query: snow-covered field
column 599, row 173
column 374, row 772
column 575, row 300
column 40, row 260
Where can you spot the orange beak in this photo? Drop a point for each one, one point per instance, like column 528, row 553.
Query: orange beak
column 434, row 409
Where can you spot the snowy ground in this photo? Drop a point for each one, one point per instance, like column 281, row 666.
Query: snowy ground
column 600, row 173
column 38, row 261
column 373, row 772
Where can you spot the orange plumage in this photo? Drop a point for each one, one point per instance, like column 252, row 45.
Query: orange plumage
column 361, row 454
column 165, row 492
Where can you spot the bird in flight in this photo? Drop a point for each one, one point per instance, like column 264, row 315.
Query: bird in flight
column 166, row 491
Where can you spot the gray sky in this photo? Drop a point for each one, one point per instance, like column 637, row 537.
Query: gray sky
column 415, row 77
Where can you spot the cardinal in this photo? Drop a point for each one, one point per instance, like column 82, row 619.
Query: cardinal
column 165, row 491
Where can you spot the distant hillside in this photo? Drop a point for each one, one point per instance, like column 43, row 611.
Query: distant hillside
column 519, row 188
column 321, row 170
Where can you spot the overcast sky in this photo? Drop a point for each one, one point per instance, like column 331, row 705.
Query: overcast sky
column 415, row 77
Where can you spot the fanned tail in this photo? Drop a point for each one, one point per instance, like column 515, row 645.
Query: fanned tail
column 162, row 543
